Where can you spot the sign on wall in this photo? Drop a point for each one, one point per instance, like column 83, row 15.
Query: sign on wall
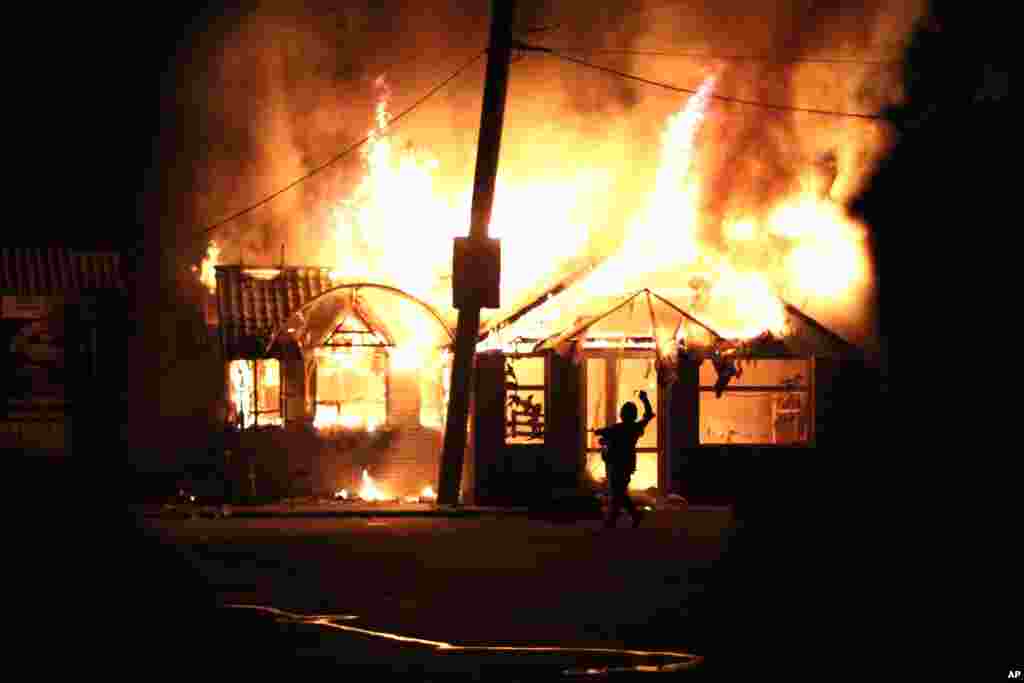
column 33, row 375
column 25, row 307
column 32, row 340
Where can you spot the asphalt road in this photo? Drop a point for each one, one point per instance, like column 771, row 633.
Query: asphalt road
column 518, row 582
column 769, row 592
column 509, row 580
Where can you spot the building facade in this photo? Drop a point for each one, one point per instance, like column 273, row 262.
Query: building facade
column 321, row 395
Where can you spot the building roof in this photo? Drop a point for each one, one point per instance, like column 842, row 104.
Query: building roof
column 646, row 313
column 57, row 271
column 253, row 303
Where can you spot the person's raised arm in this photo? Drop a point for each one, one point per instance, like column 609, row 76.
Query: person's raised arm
column 648, row 411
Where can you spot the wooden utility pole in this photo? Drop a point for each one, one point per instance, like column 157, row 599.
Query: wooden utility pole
column 469, row 300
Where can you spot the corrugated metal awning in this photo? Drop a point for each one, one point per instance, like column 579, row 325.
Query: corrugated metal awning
column 253, row 303
column 54, row 271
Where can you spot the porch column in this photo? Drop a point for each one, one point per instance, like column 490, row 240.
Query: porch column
column 565, row 423
column 293, row 385
column 682, row 425
column 488, row 425
column 309, row 387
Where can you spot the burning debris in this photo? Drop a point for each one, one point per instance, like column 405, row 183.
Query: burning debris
column 370, row 491
column 725, row 366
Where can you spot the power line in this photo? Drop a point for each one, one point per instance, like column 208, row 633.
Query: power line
column 713, row 56
column 690, row 91
column 348, row 150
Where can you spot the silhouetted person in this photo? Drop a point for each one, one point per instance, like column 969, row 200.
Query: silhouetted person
column 620, row 458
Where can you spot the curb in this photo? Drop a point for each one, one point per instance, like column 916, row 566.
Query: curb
column 211, row 513
column 215, row 513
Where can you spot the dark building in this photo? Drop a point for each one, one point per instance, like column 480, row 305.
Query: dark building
column 63, row 330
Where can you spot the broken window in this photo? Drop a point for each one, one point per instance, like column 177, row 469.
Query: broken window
column 255, row 392
column 767, row 402
column 525, row 386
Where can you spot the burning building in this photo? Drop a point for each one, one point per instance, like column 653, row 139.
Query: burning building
column 347, row 383
column 539, row 399
column 315, row 372
column 344, row 366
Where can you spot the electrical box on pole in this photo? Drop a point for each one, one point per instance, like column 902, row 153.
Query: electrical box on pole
column 476, row 273
column 477, row 264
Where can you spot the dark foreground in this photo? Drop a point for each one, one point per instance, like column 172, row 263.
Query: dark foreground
column 488, row 598
column 488, row 583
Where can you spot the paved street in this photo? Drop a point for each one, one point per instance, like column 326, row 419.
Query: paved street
column 787, row 586
column 508, row 581
column 473, row 580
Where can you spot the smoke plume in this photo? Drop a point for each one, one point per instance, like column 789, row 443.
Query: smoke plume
column 279, row 88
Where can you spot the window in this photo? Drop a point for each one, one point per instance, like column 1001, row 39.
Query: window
column 255, row 392
column 769, row 403
column 351, row 388
column 525, row 385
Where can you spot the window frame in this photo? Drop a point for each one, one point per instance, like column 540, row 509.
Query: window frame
column 612, row 407
column 545, row 389
column 808, row 388
column 372, row 348
column 253, row 366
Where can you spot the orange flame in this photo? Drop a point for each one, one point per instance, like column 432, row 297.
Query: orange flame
column 369, row 490
column 396, row 228
column 207, row 274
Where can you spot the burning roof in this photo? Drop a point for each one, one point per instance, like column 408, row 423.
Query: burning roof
column 646, row 319
column 389, row 315
column 729, row 273
column 252, row 304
